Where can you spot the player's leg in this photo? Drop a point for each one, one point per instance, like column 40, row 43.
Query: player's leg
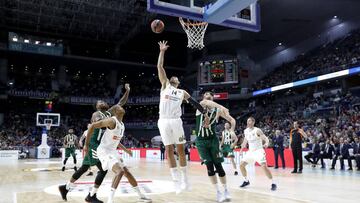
column 73, row 154
column 260, row 157
column 64, row 189
column 248, row 158
column 119, row 172
column 217, row 159
column 168, row 141
column 67, row 155
column 134, row 184
column 179, row 139
column 92, row 196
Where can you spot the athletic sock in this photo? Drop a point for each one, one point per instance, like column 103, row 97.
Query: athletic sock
column 111, row 196
column 69, row 185
column 272, row 181
column 138, row 192
column 183, row 174
column 174, row 174
column 223, row 182
column 213, row 180
column 246, row 179
column 93, row 191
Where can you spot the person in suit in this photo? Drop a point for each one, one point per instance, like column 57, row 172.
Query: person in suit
column 327, row 151
column 162, row 152
column 297, row 135
column 314, row 154
column 342, row 152
column 278, row 146
column 356, row 152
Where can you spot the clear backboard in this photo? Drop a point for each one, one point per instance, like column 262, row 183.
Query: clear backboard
column 48, row 119
column 239, row 14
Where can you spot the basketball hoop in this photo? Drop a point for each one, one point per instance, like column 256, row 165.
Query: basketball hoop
column 48, row 126
column 195, row 31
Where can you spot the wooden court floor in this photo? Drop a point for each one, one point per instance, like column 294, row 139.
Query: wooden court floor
column 28, row 181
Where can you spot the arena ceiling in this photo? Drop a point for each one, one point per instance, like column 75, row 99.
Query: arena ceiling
column 127, row 22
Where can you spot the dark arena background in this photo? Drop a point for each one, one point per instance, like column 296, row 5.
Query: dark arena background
column 293, row 66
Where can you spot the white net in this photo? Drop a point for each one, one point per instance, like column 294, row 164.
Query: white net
column 195, row 31
column 48, row 126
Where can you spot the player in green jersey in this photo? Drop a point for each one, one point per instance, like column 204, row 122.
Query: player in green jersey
column 228, row 143
column 207, row 142
column 70, row 143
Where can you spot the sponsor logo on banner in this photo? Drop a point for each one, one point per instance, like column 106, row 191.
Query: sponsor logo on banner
column 152, row 187
column 153, row 154
column 9, row 154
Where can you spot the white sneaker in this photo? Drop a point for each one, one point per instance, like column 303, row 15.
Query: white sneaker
column 227, row 196
column 144, row 199
column 219, row 197
column 185, row 186
column 177, row 187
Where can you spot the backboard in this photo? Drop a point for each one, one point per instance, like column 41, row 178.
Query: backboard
column 44, row 119
column 244, row 14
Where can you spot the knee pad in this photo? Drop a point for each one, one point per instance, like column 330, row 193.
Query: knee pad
column 220, row 170
column 100, row 177
column 210, row 169
column 80, row 171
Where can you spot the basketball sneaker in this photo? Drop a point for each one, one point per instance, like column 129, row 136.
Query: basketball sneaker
column 92, row 199
column 144, row 199
column 177, row 187
column 236, row 173
column 63, row 191
column 245, row 183
column 219, row 197
column 63, row 168
column 75, row 168
column 227, row 196
column 273, row 187
column 185, row 186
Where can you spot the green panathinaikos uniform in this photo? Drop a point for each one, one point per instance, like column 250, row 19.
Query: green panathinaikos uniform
column 228, row 141
column 70, row 140
column 91, row 158
column 207, row 142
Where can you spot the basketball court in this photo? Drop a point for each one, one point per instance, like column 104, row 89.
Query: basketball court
column 21, row 183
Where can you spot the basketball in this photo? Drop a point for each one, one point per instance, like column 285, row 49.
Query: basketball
column 157, row 26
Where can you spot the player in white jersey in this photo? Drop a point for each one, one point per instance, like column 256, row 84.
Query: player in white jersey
column 255, row 137
column 107, row 150
column 170, row 123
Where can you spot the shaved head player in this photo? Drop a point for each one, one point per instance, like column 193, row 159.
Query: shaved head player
column 170, row 123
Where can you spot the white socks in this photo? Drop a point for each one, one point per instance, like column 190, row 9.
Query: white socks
column 174, row 174
column 111, row 196
column 183, row 174
column 93, row 191
column 69, row 185
column 246, row 179
column 138, row 192
column 272, row 181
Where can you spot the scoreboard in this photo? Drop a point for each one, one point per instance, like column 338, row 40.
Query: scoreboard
column 218, row 72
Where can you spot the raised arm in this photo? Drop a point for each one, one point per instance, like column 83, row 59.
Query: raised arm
column 125, row 97
column 106, row 123
column 263, row 137
column 160, row 65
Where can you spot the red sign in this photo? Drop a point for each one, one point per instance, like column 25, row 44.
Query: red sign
column 222, row 95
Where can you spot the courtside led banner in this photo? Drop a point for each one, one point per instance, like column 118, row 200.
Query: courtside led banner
column 319, row 78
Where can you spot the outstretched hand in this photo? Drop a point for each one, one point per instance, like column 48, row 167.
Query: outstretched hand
column 127, row 86
column 163, row 45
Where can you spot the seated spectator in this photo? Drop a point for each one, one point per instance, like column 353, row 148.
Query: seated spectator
column 314, row 154
column 327, row 151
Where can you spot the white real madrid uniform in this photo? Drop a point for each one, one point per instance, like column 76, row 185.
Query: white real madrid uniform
column 256, row 151
column 170, row 124
column 107, row 150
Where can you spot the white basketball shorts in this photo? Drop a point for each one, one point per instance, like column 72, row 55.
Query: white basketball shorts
column 171, row 131
column 258, row 156
column 109, row 158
